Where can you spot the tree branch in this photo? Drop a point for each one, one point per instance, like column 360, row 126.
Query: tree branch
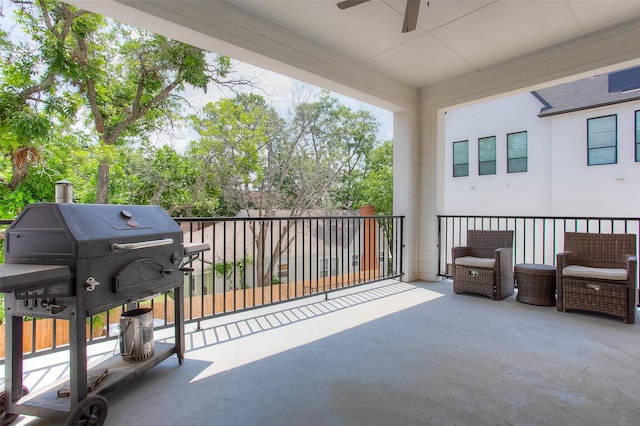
column 140, row 112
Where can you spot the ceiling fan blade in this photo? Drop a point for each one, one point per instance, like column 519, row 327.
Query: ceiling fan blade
column 350, row 3
column 411, row 16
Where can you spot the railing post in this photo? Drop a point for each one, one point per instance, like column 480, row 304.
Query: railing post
column 401, row 248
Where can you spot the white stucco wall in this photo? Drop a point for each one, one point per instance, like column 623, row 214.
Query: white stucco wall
column 525, row 193
column 558, row 181
column 605, row 190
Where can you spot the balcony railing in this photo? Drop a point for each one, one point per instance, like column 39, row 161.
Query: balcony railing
column 537, row 239
column 255, row 262
column 261, row 261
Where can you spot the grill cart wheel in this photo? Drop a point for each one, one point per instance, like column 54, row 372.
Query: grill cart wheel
column 7, row 418
column 90, row 411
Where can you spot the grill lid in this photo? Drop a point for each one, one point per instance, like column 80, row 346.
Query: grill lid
column 77, row 231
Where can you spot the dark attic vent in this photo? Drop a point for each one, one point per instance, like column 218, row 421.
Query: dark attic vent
column 625, row 80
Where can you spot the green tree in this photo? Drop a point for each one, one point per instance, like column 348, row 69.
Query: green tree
column 34, row 104
column 263, row 163
column 38, row 185
column 355, row 132
column 163, row 177
column 376, row 185
column 232, row 153
column 126, row 77
column 232, row 149
column 376, row 188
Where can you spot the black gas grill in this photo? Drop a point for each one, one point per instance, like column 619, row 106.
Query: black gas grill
column 70, row 261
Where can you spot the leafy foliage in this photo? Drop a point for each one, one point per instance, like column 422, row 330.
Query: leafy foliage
column 228, row 269
column 232, row 149
column 81, row 95
column 376, row 185
column 120, row 79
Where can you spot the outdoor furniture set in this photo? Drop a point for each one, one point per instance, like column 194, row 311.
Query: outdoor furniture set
column 595, row 272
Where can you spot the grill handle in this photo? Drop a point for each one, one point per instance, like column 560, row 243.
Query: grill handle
column 141, row 244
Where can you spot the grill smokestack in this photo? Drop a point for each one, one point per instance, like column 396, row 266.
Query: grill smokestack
column 64, row 191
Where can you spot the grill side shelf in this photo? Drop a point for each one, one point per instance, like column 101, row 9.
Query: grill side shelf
column 16, row 277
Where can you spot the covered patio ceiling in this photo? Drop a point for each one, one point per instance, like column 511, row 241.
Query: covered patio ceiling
column 361, row 51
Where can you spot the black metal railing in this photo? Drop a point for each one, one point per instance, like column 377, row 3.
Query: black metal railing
column 261, row 261
column 255, row 262
column 537, row 239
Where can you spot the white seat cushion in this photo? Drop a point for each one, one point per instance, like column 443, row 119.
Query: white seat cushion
column 596, row 273
column 476, row 262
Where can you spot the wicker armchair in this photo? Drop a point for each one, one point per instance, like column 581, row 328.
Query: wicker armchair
column 485, row 265
column 597, row 272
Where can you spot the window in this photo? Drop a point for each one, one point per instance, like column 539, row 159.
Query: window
column 283, row 272
column 602, row 140
column 329, row 267
column 461, row 158
column 517, row 152
column 487, row 156
column 637, row 136
column 355, row 260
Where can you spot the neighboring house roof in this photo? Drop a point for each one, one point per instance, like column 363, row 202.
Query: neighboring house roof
column 593, row 92
column 306, row 213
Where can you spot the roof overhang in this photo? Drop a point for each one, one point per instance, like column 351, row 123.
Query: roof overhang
column 461, row 51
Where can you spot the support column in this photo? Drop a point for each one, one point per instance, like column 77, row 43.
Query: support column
column 431, row 186
column 406, row 174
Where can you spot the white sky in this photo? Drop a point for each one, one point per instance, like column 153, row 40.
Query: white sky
column 278, row 90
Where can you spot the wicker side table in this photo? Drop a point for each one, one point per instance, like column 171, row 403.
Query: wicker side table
column 536, row 284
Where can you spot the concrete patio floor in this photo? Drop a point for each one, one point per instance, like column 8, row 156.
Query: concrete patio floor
column 386, row 354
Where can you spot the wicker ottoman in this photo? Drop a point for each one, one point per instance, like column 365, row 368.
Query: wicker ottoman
column 536, row 284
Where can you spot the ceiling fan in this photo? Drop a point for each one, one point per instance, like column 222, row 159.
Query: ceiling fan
column 410, row 13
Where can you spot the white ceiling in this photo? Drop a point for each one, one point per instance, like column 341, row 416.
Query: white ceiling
column 452, row 37
column 365, row 45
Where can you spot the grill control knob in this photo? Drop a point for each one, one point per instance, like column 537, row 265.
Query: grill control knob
column 90, row 284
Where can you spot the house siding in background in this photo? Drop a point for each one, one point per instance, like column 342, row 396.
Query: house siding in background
column 336, row 244
column 558, row 180
column 501, row 193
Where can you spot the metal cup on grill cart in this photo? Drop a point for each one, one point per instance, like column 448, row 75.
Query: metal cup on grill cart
column 136, row 334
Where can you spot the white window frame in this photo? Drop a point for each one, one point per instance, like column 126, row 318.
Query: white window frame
column 283, row 272
column 511, row 159
column 595, row 140
column 454, row 159
column 329, row 267
column 480, row 153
